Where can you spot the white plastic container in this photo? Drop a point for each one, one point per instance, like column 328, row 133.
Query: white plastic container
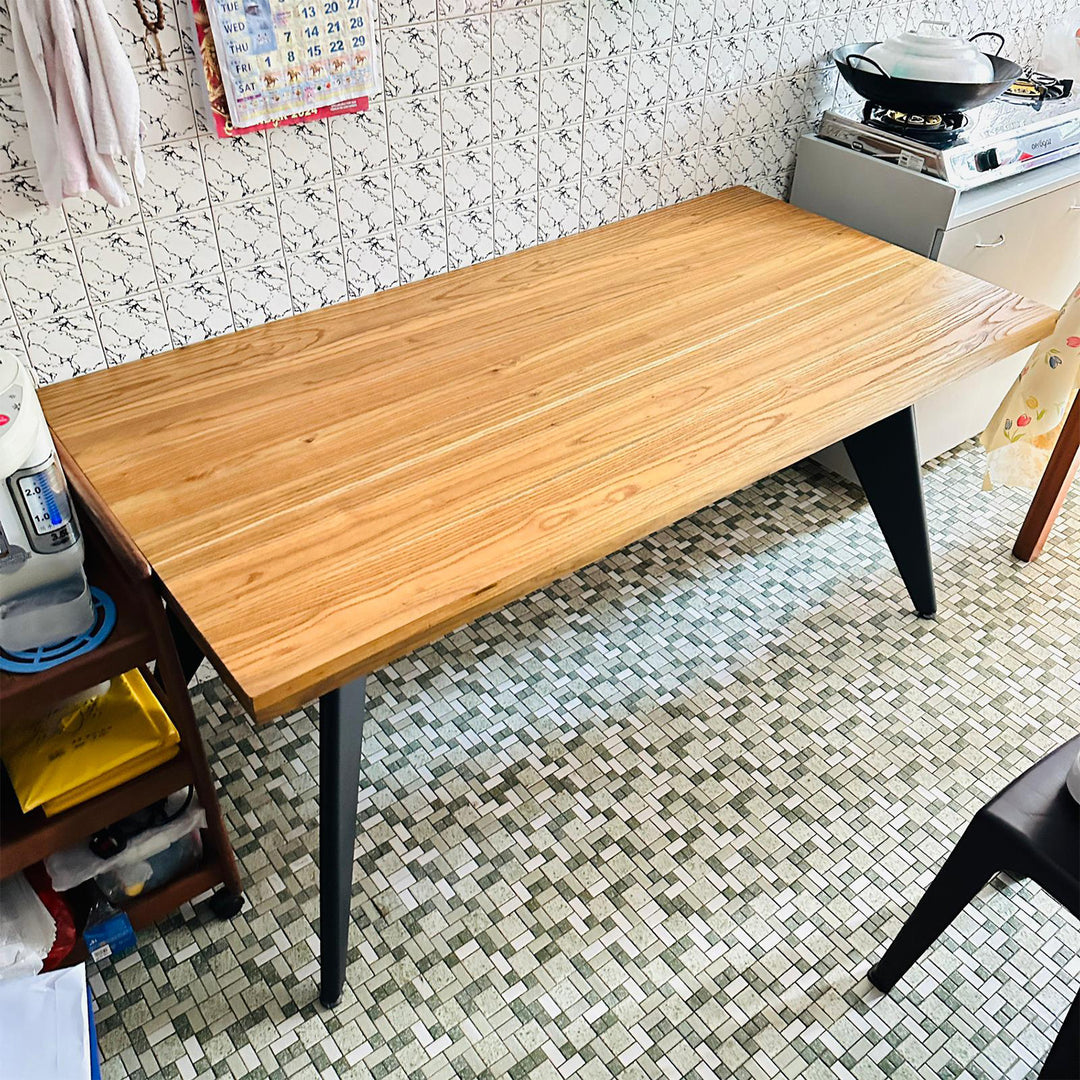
column 1061, row 49
column 44, row 595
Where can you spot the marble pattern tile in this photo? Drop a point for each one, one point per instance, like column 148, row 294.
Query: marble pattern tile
column 184, row 247
column 470, row 237
column 558, row 212
column 610, row 28
column 413, row 125
column 693, row 20
column 599, row 200
column 654, row 24
column 644, row 138
column 8, row 70
column 563, row 29
column 309, row 218
column 174, row 182
column 92, row 213
column 248, row 231
column 165, row 104
column 132, row 34
column 42, row 281
column 411, row 60
column 198, row 310
column 236, row 168
column 467, row 179
column 466, row 117
column 405, row 12
column 647, row 87
column 11, row 342
column 365, row 205
column 418, row 192
column 133, row 327
column 15, row 151
column 562, row 93
column 560, row 157
column 358, row 141
column 605, row 86
column 640, row 188
column 317, row 278
column 300, row 155
column 116, row 264
column 259, row 293
column 370, row 264
column 422, row 250
column 515, row 40
column 687, row 75
column 465, row 50
column 27, row 220
column 515, row 223
column 515, row 105
column 602, row 145
column 63, row 346
column 515, row 167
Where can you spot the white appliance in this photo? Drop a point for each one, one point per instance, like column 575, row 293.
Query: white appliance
column 995, row 193
column 44, row 595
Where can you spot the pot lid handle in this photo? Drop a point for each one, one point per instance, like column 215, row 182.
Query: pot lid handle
column 993, row 34
column 933, row 22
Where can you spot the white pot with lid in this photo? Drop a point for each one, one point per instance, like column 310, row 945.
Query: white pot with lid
column 934, row 57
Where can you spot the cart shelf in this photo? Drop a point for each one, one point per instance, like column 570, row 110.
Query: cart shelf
column 140, row 638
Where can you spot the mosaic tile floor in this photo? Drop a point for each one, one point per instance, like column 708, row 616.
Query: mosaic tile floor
column 655, row 821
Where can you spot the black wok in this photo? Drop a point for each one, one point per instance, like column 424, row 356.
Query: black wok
column 915, row 95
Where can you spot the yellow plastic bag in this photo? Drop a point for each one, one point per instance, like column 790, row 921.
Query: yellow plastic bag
column 93, row 746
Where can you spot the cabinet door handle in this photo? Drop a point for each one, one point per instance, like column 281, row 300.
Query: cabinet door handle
column 1075, row 206
column 997, row 243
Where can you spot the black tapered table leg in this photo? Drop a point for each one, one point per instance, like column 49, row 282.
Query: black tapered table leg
column 191, row 656
column 886, row 460
column 341, row 725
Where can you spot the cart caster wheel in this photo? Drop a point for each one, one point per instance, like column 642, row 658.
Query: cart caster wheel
column 225, row 904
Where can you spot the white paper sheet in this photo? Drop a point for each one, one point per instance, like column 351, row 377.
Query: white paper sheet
column 44, row 1026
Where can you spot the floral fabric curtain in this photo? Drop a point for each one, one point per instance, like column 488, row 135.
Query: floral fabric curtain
column 1021, row 436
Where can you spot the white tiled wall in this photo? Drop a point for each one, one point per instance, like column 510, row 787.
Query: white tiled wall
column 502, row 125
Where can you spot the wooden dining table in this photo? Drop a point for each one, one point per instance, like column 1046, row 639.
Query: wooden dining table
column 322, row 495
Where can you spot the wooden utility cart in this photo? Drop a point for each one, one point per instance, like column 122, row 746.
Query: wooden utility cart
column 140, row 640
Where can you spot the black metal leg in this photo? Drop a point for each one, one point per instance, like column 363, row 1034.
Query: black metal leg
column 191, row 656
column 967, row 869
column 341, row 725
column 1063, row 1061
column 886, row 460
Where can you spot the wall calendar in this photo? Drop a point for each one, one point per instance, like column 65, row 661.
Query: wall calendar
column 273, row 62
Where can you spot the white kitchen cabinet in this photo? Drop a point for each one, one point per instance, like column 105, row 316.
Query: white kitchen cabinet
column 1031, row 247
column 1022, row 233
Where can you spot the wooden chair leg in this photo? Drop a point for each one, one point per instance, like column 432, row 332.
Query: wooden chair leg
column 1060, row 470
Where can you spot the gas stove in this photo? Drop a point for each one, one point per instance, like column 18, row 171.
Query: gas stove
column 1000, row 139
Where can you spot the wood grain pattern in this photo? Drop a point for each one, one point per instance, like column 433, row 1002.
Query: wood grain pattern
column 321, row 495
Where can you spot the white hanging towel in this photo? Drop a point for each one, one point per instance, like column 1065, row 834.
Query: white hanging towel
column 114, row 93
column 80, row 97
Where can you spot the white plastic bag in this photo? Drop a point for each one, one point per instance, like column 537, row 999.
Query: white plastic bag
column 27, row 930
column 1061, row 49
column 45, row 1026
column 78, row 864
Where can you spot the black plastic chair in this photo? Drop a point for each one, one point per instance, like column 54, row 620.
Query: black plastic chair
column 1031, row 829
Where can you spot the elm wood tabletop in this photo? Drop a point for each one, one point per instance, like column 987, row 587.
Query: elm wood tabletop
column 320, row 496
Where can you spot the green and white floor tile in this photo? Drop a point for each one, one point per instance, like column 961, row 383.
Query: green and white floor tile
column 655, row 822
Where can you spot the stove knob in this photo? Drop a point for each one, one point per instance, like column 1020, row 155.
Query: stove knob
column 985, row 160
